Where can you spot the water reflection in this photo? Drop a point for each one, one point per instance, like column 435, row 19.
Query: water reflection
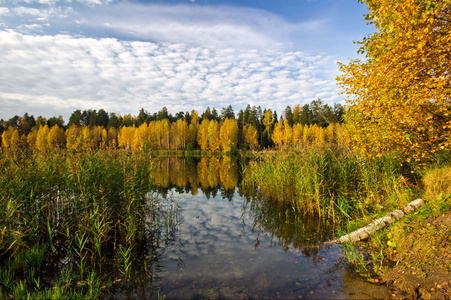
column 211, row 175
column 233, row 245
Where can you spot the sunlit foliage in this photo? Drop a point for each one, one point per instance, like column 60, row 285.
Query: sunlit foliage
column 252, row 129
column 399, row 96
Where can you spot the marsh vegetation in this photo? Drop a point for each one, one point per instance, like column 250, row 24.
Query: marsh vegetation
column 77, row 225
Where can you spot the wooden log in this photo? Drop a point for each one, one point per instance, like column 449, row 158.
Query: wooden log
column 365, row 232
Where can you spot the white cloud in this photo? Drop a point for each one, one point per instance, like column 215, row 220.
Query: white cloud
column 53, row 2
column 59, row 74
column 41, row 14
column 207, row 26
column 4, row 11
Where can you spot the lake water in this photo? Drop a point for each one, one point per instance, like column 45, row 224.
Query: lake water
column 228, row 245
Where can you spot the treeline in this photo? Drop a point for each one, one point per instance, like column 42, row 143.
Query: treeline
column 252, row 128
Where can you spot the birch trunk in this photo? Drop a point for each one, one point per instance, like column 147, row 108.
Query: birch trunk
column 365, row 232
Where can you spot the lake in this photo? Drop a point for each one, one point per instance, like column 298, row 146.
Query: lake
column 229, row 244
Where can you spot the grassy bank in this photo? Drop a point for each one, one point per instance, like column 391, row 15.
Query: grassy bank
column 74, row 225
column 414, row 254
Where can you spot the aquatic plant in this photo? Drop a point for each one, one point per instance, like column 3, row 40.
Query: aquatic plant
column 328, row 181
column 72, row 221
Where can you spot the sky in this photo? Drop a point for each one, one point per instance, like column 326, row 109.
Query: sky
column 57, row 56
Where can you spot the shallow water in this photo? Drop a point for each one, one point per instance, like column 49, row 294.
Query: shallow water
column 227, row 249
column 230, row 244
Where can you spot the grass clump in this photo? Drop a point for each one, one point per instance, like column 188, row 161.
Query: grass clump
column 329, row 181
column 74, row 224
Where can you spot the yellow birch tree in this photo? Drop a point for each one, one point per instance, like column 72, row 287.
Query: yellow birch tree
column 251, row 136
column 57, row 137
column 42, row 140
column 277, row 134
column 228, row 135
column 6, row 137
column 202, row 133
column 213, row 136
column 399, row 96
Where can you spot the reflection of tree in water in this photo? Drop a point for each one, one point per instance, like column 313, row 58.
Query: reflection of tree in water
column 213, row 175
column 286, row 228
column 221, row 175
column 213, row 171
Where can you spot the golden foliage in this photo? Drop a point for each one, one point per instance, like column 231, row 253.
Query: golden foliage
column 213, row 136
column 228, row 135
column 42, row 138
column 251, row 136
column 399, row 97
column 6, row 137
column 57, row 137
column 298, row 135
column 202, row 138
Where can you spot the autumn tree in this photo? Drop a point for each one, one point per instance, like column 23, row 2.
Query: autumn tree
column 112, row 137
column 42, row 138
column 74, row 140
column 297, row 114
column 268, row 123
column 251, row 136
column 164, row 128
column 87, row 138
column 192, row 129
column 31, row 137
column 399, row 96
column 6, row 137
column 278, row 133
column 202, row 138
column 181, row 134
column 57, row 137
column 228, row 134
column 139, row 137
column 11, row 138
column 213, row 136
column 97, row 136
column 287, row 133
column 298, row 130
column 125, row 137
column 15, row 139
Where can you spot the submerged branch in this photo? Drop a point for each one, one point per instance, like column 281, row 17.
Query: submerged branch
column 365, row 232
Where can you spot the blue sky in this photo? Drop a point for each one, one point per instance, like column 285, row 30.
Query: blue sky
column 57, row 56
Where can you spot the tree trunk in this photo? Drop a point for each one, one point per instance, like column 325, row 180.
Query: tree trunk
column 365, row 232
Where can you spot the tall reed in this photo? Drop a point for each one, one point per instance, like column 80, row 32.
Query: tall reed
column 81, row 213
column 328, row 181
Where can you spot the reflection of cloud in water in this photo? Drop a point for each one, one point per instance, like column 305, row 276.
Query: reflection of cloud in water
column 212, row 226
column 219, row 256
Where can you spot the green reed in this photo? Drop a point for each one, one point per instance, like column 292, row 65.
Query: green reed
column 328, row 181
column 72, row 222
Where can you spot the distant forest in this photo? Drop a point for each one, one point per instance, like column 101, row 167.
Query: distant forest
column 251, row 128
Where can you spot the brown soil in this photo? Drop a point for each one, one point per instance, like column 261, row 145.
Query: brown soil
column 420, row 278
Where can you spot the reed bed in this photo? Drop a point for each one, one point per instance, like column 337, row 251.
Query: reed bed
column 329, row 181
column 79, row 225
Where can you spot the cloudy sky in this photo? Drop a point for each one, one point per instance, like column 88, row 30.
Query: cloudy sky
column 57, row 56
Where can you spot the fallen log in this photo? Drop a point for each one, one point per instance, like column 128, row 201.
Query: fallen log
column 365, row 232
